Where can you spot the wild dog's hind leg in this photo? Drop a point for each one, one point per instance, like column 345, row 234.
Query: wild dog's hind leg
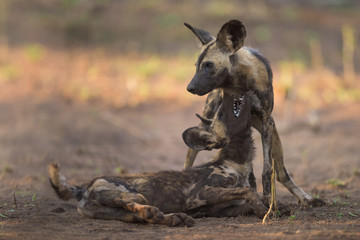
column 282, row 174
column 135, row 203
column 153, row 215
column 125, row 200
column 267, row 128
column 178, row 220
column 284, row 177
column 216, row 195
column 92, row 210
column 130, row 207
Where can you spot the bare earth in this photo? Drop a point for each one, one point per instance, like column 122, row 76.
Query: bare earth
column 89, row 141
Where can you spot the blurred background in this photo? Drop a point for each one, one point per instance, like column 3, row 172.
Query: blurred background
column 100, row 85
column 123, row 53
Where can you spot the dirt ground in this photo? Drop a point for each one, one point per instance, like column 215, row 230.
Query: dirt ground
column 39, row 58
column 90, row 141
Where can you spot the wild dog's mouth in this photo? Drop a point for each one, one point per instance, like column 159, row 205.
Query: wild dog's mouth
column 238, row 103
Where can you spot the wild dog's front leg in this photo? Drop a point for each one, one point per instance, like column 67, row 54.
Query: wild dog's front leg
column 213, row 101
column 215, row 195
column 190, row 158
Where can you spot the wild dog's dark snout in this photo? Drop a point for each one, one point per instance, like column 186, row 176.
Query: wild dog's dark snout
column 195, row 85
column 191, row 88
column 199, row 86
column 196, row 90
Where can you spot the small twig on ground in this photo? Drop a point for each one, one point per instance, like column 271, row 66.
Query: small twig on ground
column 15, row 202
column 273, row 194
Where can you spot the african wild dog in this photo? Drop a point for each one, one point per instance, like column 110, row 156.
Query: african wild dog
column 219, row 188
column 225, row 64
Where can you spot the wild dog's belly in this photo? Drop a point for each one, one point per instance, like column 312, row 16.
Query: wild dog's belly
column 165, row 190
column 230, row 174
column 227, row 175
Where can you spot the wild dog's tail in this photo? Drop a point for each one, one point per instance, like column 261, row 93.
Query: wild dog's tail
column 61, row 187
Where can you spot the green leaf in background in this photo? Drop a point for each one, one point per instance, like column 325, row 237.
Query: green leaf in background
column 352, row 214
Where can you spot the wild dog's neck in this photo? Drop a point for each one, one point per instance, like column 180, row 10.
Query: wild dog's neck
column 242, row 73
column 240, row 147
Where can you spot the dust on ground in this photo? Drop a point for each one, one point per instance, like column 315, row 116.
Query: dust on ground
column 89, row 141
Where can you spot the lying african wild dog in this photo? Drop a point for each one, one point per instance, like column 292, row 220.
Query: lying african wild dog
column 219, row 188
column 224, row 64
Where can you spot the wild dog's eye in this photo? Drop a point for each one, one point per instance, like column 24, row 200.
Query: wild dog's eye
column 208, row 65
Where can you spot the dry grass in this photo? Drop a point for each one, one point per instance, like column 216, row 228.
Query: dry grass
column 93, row 76
column 145, row 54
column 313, row 87
column 128, row 80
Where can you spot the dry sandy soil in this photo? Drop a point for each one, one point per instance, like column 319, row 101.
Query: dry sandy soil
column 90, row 141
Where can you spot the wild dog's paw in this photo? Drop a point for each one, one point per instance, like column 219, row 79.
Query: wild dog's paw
column 260, row 210
column 151, row 214
column 284, row 209
column 179, row 220
column 281, row 207
column 266, row 200
column 314, row 202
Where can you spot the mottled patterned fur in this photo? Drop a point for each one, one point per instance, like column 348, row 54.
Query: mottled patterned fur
column 224, row 64
column 221, row 188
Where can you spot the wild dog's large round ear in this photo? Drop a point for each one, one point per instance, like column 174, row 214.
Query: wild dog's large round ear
column 198, row 139
column 204, row 36
column 231, row 37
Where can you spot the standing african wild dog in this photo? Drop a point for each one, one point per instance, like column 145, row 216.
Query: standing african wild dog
column 221, row 188
column 225, row 64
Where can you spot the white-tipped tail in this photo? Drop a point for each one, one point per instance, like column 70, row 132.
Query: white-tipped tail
column 59, row 184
